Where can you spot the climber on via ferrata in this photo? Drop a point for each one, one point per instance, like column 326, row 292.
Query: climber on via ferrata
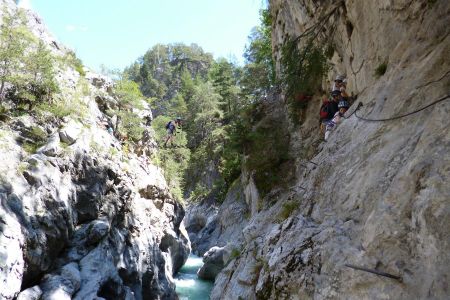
column 343, row 107
column 329, row 109
column 171, row 127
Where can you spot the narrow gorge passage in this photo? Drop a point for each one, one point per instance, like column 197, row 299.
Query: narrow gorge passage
column 186, row 175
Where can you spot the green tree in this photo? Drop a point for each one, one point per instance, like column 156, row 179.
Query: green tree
column 130, row 125
column 204, row 113
column 259, row 52
column 177, row 106
column 187, row 85
column 128, row 94
column 14, row 40
column 222, row 75
column 161, row 70
column 41, row 73
column 129, row 97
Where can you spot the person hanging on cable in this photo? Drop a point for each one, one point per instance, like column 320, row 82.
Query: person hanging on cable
column 343, row 107
column 171, row 127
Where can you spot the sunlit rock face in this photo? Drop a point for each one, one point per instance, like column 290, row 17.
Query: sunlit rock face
column 375, row 194
column 79, row 217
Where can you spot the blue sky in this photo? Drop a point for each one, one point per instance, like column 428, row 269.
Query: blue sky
column 116, row 33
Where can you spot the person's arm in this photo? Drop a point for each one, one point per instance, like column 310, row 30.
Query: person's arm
column 336, row 118
column 343, row 90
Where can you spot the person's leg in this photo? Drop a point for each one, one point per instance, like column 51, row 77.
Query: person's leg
column 328, row 128
column 327, row 133
column 167, row 139
column 170, row 138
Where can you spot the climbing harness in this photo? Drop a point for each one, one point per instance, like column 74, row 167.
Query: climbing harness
column 396, row 117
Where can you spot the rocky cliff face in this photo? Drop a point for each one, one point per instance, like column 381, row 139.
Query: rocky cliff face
column 375, row 195
column 210, row 226
column 80, row 217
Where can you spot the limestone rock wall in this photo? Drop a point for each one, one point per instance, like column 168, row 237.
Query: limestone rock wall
column 111, row 223
column 377, row 194
column 80, row 218
column 221, row 225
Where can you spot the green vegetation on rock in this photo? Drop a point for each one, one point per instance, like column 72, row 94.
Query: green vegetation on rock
column 304, row 67
column 287, row 209
column 73, row 61
column 380, row 70
column 25, row 63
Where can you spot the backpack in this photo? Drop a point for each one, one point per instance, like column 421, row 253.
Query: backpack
column 324, row 112
column 168, row 125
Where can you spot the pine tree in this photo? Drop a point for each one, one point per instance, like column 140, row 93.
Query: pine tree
column 204, row 112
column 222, row 77
column 40, row 74
column 14, row 39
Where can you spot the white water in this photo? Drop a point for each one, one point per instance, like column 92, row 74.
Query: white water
column 189, row 286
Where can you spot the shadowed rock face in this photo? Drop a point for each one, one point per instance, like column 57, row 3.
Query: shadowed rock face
column 210, row 226
column 86, row 231
column 75, row 222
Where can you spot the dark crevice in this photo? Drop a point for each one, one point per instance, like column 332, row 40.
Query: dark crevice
column 111, row 289
column 349, row 28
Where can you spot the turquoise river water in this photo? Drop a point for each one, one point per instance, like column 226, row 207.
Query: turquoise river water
column 189, row 286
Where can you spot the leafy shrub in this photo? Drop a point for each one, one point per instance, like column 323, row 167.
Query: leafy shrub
column 30, row 148
column 58, row 109
column 31, row 94
column 287, row 209
column 25, row 63
column 174, row 161
column 198, row 193
column 72, row 60
column 235, row 253
column 303, row 70
column 66, row 150
column 236, row 140
column 36, row 139
column 38, row 134
column 66, row 104
column 380, row 70
column 128, row 94
column 22, row 167
column 95, row 147
column 130, row 125
column 15, row 39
